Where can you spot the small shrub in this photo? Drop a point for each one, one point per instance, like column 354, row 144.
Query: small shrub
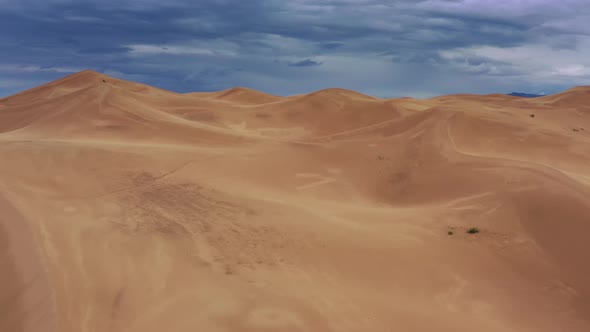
column 532, row 115
column 473, row 230
column 450, row 232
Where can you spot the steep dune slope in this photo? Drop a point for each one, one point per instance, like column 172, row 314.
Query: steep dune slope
column 574, row 97
column 128, row 208
column 92, row 106
column 25, row 296
column 328, row 111
column 239, row 95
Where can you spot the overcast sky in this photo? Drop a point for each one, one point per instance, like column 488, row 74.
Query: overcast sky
column 385, row 48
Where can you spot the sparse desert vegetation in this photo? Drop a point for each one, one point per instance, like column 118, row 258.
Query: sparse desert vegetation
column 473, row 230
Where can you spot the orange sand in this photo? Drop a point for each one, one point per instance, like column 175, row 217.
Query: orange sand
column 128, row 208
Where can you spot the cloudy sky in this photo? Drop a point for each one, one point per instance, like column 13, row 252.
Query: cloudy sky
column 385, row 48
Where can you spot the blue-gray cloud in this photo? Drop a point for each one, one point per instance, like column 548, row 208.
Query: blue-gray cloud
column 383, row 48
column 305, row 63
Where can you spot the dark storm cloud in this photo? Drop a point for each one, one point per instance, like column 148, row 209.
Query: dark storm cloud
column 305, row 63
column 368, row 45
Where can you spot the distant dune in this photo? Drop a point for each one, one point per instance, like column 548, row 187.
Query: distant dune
column 129, row 208
column 573, row 97
column 239, row 95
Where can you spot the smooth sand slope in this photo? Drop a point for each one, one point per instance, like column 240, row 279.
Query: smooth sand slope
column 125, row 208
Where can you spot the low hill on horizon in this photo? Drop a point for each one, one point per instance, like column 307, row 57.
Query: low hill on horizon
column 525, row 95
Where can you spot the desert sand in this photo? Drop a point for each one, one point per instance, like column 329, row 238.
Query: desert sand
column 128, row 208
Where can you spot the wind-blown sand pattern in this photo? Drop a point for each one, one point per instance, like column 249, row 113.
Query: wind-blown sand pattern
column 128, row 208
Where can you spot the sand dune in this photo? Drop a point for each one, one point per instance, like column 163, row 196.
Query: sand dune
column 574, row 97
column 239, row 95
column 129, row 208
